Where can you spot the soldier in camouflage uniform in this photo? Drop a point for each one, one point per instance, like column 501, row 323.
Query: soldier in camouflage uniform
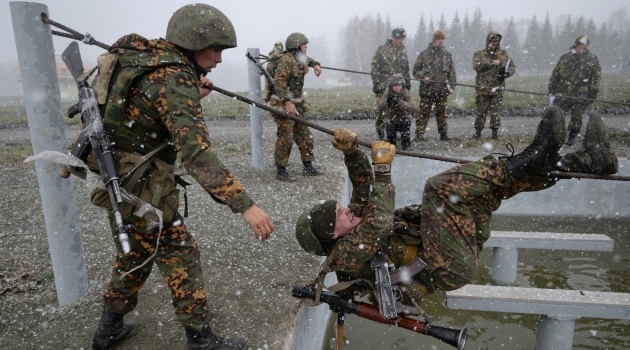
column 395, row 108
column 289, row 74
column 450, row 227
column 493, row 66
column 434, row 64
column 577, row 74
column 154, row 100
column 390, row 58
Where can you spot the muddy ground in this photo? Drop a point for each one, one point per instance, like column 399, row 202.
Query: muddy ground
column 247, row 281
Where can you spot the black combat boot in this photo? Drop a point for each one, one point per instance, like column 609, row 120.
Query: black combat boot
column 595, row 156
column 283, row 174
column 111, row 330
column 444, row 137
column 477, row 134
column 206, row 340
column 495, row 134
column 543, row 151
column 571, row 139
column 309, row 170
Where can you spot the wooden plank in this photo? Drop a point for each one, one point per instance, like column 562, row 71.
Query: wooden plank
column 550, row 240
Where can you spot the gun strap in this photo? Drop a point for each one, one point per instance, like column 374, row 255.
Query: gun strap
column 410, row 254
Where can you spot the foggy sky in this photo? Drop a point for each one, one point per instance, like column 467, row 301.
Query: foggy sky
column 259, row 24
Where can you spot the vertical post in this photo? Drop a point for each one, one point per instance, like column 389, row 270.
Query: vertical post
column 504, row 261
column 555, row 332
column 36, row 54
column 255, row 114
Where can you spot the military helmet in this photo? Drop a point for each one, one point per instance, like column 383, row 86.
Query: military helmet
column 399, row 33
column 294, row 40
column 315, row 227
column 197, row 26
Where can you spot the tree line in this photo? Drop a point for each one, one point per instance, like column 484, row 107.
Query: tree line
column 535, row 44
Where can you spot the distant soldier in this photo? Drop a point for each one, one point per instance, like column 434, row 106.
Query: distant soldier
column 577, row 74
column 289, row 74
column 434, row 66
column 395, row 108
column 390, row 58
column 493, row 66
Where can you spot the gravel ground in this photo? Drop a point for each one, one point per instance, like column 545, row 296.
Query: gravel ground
column 247, row 281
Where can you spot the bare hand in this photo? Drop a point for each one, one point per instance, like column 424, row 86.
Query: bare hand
column 318, row 70
column 496, row 62
column 290, row 108
column 204, row 85
column 259, row 221
column 427, row 78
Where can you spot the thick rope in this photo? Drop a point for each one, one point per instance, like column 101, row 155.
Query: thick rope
column 87, row 39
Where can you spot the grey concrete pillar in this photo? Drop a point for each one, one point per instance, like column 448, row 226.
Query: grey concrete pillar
column 504, row 261
column 38, row 69
column 555, row 332
column 255, row 113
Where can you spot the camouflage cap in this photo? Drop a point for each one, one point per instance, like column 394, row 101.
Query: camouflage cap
column 314, row 228
column 399, row 33
column 198, row 26
column 582, row 40
column 439, row 35
column 294, row 40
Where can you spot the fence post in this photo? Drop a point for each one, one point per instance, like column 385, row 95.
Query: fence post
column 36, row 54
column 255, row 114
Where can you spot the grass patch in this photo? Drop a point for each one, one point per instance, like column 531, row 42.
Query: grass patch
column 15, row 153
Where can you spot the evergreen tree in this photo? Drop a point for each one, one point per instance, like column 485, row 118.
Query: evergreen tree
column 511, row 42
column 547, row 56
column 456, row 44
column 531, row 47
column 419, row 41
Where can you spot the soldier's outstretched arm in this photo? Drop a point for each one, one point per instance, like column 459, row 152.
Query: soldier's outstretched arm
column 259, row 221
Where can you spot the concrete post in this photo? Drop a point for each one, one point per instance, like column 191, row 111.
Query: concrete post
column 36, row 55
column 255, row 114
column 504, row 260
column 555, row 332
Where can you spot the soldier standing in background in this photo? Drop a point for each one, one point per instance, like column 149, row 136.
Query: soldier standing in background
column 390, row 58
column 493, row 66
column 577, row 74
column 160, row 83
column 395, row 108
column 289, row 74
column 434, row 64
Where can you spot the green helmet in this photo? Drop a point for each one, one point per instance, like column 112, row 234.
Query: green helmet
column 294, row 41
column 314, row 228
column 197, row 26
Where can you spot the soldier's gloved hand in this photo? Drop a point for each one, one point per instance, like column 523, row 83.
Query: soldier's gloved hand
column 383, row 154
column 592, row 94
column 345, row 141
column 502, row 74
column 377, row 89
column 392, row 100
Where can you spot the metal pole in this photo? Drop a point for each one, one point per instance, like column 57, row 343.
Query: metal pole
column 255, row 114
column 555, row 332
column 36, row 54
column 504, row 261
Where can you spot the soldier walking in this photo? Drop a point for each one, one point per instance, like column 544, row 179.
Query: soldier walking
column 493, row 66
column 434, row 66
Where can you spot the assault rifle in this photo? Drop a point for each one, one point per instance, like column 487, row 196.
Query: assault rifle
column 451, row 336
column 263, row 72
column 94, row 138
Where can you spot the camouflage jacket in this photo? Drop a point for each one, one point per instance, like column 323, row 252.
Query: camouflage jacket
column 353, row 252
column 403, row 108
column 289, row 76
column 155, row 97
column 576, row 74
column 387, row 61
column 437, row 64
column 488, row 79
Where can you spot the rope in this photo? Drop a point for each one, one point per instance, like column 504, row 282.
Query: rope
column 473, row 86
column 87, row 39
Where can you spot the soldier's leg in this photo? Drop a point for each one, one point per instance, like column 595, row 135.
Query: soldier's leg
column 495, row 114
column 390, row 130
column 482, row 104
column 575, row 124
column 304, row 140
column 379, row 124
column 404, row 127
column 440, row 115
column 424, row 111
column 452, row 232
column 284, row 140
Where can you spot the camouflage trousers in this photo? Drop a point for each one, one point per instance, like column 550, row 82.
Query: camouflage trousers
column 576, row 108
column 178, row 260
column 288, row 132
column 457, row 206
column 488, row 104
column 380, row 123
column 426, row 103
